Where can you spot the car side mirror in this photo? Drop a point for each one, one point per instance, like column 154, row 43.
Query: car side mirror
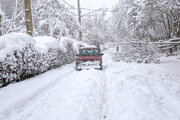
column 102, row 54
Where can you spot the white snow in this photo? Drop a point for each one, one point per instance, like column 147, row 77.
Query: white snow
column 122, row 91
column 65, row 41
column 42, row 22
column 75, row 44
column 14, row 41
column 143, row 92
column 16, row 95
column 89, row 65
column 1, row 12
column 44, row 43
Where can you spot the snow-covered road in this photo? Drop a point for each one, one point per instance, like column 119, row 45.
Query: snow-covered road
column 120, row 92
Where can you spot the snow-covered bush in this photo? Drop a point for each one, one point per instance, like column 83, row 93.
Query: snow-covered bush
column 15, row 56
column 53, row 18
column 22, row 56
column 140, row 53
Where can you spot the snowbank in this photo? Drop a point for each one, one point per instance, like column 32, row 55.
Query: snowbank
column 75, row 44
column 28, row 89
column 143, row 91
column 68, row 42
column 22, row 56
column 44, row 43
column 14, row 41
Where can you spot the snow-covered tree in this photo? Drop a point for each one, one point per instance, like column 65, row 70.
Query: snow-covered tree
column 52, row 18
column 135, row 22
column 170, row 17
column 144, row 19
column 13, row 19
column 1, row 14
column 96, row 29
column 22, row 59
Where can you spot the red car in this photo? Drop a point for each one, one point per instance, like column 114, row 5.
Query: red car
column 89, row 58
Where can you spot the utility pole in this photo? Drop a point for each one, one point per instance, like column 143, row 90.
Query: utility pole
column 79, row 19
column 0, row 20
column 29, row 25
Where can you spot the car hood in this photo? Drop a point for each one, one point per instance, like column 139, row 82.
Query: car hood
column 89, row 58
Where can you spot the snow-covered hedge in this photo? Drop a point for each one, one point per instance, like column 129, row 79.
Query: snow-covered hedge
column 22, row 56
column 140, row 53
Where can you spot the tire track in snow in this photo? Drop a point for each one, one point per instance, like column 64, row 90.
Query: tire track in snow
column 104, row 89
column 67, row 98
column 20, row 104
column 103, row 102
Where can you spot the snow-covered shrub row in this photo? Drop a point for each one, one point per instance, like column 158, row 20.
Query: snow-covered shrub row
column 22, row 56
column 140, row 53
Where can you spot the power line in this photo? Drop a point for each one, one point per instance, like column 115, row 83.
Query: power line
column 90, row 9
column 90, row 12
column 69, row 4
column 102, row 9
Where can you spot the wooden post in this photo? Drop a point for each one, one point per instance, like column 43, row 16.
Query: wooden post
column 79, row 19
column 28, row 14
column 0, row 25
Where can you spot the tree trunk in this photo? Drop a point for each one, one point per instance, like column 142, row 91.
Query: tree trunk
column 169, row 28
column 164, row 23
column 0, row 25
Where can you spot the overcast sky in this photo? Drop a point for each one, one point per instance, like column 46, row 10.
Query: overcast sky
column 94, row 4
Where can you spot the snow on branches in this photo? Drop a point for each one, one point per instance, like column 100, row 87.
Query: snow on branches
column 136, row 52
column 23, row 56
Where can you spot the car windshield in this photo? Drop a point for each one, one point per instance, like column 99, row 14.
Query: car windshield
column 89, row 52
